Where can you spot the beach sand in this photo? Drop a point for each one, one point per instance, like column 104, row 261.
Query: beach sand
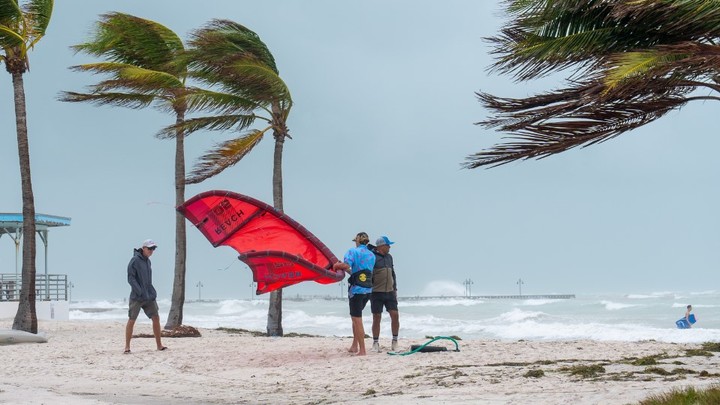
column 83, row 363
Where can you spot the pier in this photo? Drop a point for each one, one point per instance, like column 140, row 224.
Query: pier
column 501, row 297
column 443, row 297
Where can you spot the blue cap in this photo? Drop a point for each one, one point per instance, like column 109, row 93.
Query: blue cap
column 383, row 240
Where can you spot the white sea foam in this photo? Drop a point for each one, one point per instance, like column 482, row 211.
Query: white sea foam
column 614, row 306
column 598, row 317
column 537, row 302
column 440, row 302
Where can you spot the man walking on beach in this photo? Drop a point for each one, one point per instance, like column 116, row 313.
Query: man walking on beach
column 359, row 263
column 384, row 293
column 143, row 295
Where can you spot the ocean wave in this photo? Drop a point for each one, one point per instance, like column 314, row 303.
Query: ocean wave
column 518, row 315
column 614, row 306
column 450, row 302
column 602, row 332
column 537, row 302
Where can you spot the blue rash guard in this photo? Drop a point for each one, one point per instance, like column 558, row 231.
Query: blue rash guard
column 359, row 258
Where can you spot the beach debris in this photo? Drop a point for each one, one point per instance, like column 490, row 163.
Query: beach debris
column 179, row 331
column 537, row 373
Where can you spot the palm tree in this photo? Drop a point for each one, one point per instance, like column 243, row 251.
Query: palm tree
column 631, row 62
column 144, row 61
column 21, row 27
column 232, row 57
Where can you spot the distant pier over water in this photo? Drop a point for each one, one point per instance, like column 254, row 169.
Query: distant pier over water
column 444, row 297
column 483, row 297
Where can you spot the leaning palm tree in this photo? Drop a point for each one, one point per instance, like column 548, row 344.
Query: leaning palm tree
column 143, row 60
column 21, row 27
column 631, row 61
column 234, row 59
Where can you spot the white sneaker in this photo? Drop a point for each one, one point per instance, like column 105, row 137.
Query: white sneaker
column 376, row 347
column 394, row 345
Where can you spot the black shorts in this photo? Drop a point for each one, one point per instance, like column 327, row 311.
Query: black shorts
column 357, row 304
column 386, row 299
column 150, row 308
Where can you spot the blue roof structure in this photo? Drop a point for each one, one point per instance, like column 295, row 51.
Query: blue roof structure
column 11, row 224
column 42, row 221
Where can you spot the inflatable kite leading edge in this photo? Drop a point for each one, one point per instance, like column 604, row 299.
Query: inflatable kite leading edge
column 279, row 251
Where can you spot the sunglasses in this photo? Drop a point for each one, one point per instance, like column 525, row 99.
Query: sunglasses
column 151, row 247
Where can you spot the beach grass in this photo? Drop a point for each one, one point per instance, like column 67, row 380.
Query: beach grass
column 687, row 396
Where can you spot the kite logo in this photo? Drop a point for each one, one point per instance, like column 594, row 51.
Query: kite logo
column 362, row 277
column 225, row 217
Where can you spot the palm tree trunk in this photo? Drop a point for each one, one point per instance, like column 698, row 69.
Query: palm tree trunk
column 175, row 316
column 26, row 317
column 274, row 323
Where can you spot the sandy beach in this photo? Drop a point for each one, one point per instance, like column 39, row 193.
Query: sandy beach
column 83, row 363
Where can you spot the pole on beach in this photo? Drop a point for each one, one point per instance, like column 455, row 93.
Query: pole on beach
column 199, row 285
column 342, row 285
column 520, row 283
column 468, row 289
column 69, row 286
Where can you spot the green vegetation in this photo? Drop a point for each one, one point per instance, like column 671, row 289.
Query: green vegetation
column 711, row 346
column 238, row 331
column 697, row 352
column 537, row 373
column 584, row 371
column 645, row 361
column 687, row 396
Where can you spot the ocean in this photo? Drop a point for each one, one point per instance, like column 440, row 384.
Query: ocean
column 609, row 317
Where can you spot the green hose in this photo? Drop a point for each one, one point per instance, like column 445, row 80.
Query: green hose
column 417, row 349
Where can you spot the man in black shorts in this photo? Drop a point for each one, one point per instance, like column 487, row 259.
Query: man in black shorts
column 358, row 262
column 384, row 293
column 143, row 295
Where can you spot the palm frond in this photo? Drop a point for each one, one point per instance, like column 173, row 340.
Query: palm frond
column 226, row 53
column 254, row 80
column 219, row 102
column 10, row 13
column 130, row 100
column 224, row 155
column 10, row 39
column 638, row 60
column 38, row 14
column 237, row 122
column 124, row 38
column 221, row 41
column 579, row 116
column 102, row 67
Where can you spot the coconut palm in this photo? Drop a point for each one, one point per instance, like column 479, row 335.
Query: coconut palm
column 235, row 60
column 22, row 25
column 143, row 61
column 631, row 62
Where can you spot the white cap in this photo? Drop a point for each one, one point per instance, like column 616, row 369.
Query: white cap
column 149, row 243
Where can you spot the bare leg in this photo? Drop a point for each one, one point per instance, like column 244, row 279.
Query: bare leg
column 394, row 322
column 376, row 325
column 128, row 333
column 354, row 346
column 359, row 335
column 156, row 331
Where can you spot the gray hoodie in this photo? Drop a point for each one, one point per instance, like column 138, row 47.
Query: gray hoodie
column 140, row 278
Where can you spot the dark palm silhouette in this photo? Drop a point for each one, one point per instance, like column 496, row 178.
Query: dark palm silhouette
column 631, row 62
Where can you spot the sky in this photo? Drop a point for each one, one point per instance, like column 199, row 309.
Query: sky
column 383, row 116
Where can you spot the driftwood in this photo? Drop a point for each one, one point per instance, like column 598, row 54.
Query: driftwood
column 175, row 332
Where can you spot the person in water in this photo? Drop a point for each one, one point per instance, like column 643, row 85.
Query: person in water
column 359, row 263
column 384, row 292
column 143, row 295
column 687, row 316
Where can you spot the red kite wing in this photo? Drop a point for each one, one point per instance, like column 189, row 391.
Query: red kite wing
column 279, row 251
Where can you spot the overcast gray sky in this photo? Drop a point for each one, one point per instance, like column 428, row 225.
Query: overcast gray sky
column 383, row 118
